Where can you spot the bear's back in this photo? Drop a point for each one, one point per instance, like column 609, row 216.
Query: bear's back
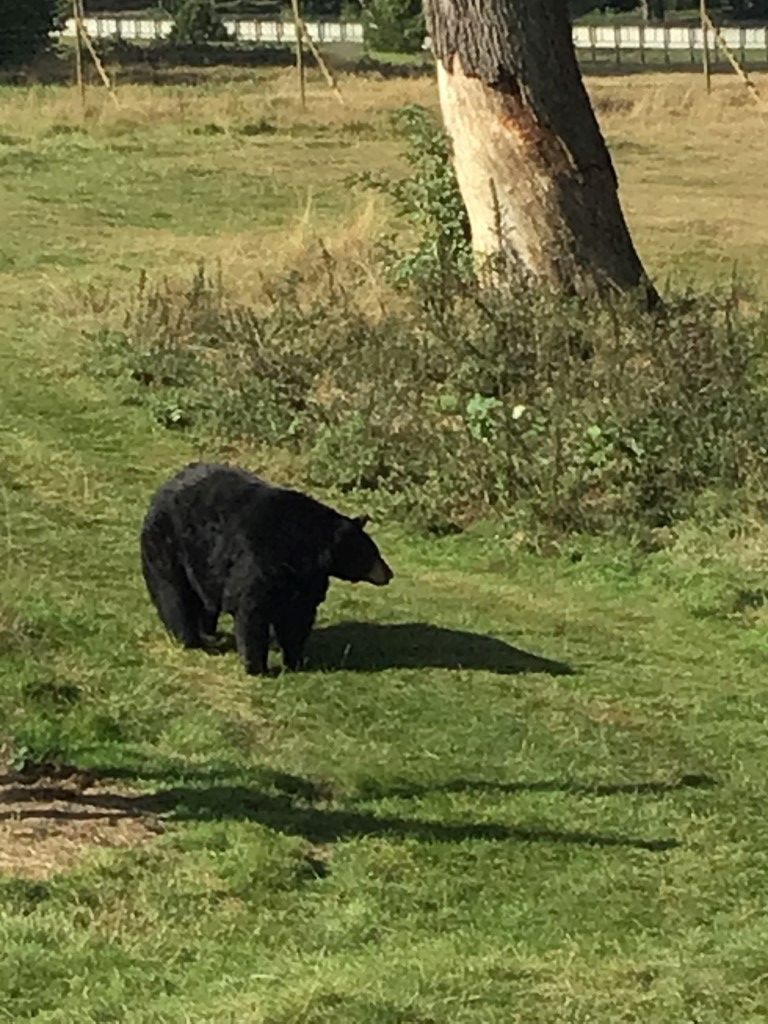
column 227, row 508
column 210, row 478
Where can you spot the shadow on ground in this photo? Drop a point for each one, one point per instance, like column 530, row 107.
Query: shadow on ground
column 373, row 790
column 164, row 62
column 300, row 807
column 633, row 67
column 377, row 646
column 371, row 647
column 168, row 63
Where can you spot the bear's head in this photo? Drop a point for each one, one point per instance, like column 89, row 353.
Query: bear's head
column 355, row 557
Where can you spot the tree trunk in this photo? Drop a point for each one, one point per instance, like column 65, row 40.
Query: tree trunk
column 532, row 166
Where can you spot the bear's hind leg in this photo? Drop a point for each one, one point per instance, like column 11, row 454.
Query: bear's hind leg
column 178, row 606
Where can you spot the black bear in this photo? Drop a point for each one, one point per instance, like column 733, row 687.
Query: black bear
column 219, row 539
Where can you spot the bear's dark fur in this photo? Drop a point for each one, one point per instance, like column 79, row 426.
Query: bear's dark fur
column 218, row 539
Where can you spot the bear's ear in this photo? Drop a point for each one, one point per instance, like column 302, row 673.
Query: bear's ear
column 362, row 521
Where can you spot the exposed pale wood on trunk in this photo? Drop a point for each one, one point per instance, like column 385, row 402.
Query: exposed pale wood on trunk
column 532, row 165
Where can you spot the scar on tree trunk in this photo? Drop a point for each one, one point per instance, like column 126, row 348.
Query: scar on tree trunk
column 533, row 168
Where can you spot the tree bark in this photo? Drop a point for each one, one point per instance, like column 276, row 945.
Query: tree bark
column 533, row 168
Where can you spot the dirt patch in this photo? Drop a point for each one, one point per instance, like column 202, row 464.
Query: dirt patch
column 51, row 818
column 613, row 714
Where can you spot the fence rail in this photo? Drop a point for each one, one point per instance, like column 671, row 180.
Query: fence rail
column 244, row 30
column 596, row 40
column 672, row 42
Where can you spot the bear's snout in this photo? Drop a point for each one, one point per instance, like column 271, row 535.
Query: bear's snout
column 380, row 574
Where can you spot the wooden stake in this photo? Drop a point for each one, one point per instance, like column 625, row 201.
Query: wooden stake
column 95, row 57
column 705, row 23
column 327, row 73
column 79, row 53
column 299, row 52
column 721, row 43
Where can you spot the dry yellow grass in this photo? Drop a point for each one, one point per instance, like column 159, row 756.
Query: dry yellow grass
column 656, row 100
column 690, row 166
column 691, row 171
column 214, row 99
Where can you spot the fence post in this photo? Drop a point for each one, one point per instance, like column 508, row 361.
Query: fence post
column 692, row 44
column 705, row 46
column 743, row 45
column 80, row 78
column 593, row 46
column 642, row 44
column 617, row 44
column 300, row 53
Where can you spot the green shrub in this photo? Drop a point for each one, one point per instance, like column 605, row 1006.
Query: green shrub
column 465, row 404
column 394, row 26
column 25, row 29
column 428, row 200
column 195, row 21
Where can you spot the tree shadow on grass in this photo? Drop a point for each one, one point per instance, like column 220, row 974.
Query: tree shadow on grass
column 372, row 647
column 158, row 62
column 373, row 790
column 299, row 807
column 608, row 68
column 166, row 62
column 317, row 825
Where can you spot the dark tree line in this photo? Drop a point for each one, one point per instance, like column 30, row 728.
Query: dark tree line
column 658, row 10
column 736, row 9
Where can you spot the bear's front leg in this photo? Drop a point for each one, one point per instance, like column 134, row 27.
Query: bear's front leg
column 208, row 622
column 252, row 634
column 293, row 623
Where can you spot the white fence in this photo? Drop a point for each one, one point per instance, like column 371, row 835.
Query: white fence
column 672, row 42
column 245, row 30
column 667, row 40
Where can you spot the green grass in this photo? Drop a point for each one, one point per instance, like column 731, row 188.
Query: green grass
column 424, row 827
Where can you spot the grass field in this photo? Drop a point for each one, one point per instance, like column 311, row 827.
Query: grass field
column 509, row 789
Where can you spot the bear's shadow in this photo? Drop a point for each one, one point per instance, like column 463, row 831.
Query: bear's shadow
column 373, row 646
column 376, row 646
